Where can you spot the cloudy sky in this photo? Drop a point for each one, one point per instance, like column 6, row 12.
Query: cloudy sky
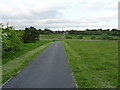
column 60, row 14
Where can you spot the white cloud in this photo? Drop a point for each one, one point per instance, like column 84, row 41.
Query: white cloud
column 59, row 14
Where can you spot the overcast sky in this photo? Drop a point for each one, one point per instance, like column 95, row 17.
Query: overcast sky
column 60, row 14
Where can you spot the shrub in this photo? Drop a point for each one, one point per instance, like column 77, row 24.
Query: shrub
column 111, row 38
column 93, row 37
column 79, row 37
column 30, row 35
column 104, row 37
column 68, row 37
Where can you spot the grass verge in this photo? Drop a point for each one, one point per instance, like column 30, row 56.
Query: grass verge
column 8, row 56
column 94, row 63
column 11, row 68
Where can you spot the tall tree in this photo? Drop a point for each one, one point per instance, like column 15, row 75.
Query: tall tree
column 30, row 35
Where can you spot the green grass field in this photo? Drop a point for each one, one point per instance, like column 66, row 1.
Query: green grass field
column 60, row 36
column 22, row 58
column 94, row 63
column 51, row 36
column 86, row 37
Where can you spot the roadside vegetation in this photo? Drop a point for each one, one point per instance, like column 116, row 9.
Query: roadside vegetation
column 12, row 67
column 94, row 63
column 19, row 48
column 8, row 56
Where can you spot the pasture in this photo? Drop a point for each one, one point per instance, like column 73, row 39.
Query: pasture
column 50, row 36
column 94, row 63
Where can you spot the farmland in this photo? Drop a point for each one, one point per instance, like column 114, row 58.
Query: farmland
column 72, row 36
column 94, row 63
column 86, row 37
column 50, row 36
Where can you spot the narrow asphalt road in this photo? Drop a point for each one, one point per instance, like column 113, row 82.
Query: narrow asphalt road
column 49, row 69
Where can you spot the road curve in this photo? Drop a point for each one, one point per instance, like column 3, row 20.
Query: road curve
column 49, row 69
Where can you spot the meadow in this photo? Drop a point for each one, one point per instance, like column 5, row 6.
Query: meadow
column 73, row 36
column 94, row 63
column 50, row 36
column 86, row 37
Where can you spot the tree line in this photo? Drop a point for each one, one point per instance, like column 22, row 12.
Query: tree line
column 12, row 39
column 113, row 32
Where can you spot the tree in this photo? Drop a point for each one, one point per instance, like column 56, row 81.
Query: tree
column 10, row 40
column 30, row 35
column 47, row 31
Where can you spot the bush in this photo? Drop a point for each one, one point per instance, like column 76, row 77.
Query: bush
column 68, row 37
column 10, row 40
column 79, row 37
column 93, row 37
column 104, row 37
column 30, row 35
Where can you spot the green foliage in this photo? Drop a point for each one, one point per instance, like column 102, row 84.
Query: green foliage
column 68, row 37
column 10, row 40
column 107, row 37
column 8, row 56
column 93, row 37
column 30, row 35
column 113, row 32
column 104, row 37
column 47, row 31
column 79, row 37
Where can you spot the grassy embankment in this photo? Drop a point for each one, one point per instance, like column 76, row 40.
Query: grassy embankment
column 94, row 63
column 8, row 56
column 14, row 63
